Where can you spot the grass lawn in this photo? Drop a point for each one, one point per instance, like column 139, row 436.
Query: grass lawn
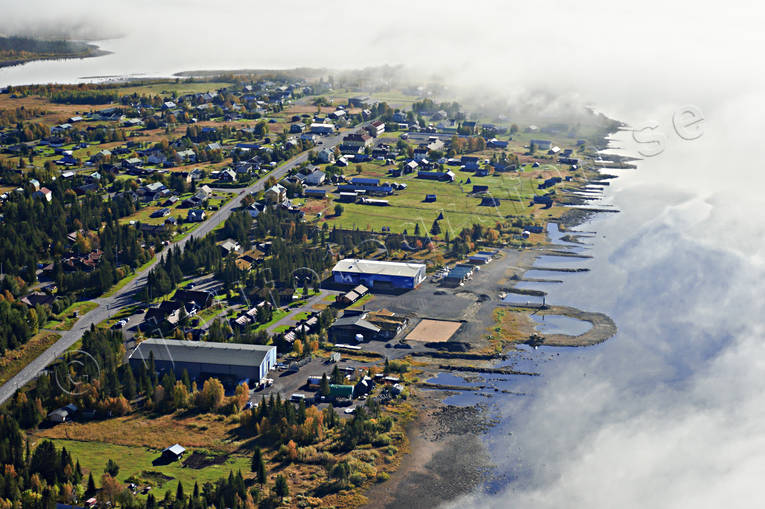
column 209, row 314
column 300, row 291
column 66, row 319
column 303, row 315
column 362, row 301
column 277, row 315
column 14, row 360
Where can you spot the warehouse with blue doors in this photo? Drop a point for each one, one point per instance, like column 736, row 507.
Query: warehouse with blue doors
column 205, row 359
column 378, row 275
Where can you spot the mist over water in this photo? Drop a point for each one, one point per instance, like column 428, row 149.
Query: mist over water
column 671, row 411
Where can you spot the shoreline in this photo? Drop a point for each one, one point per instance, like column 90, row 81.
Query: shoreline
column 430, row 466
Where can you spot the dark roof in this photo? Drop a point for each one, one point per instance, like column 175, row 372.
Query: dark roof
column 459, row 272
column 365, row 181
column 174, row 350
column 357, row 321
column 199, row 297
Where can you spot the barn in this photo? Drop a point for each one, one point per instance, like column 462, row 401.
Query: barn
column 378, row 274
column 202, row 359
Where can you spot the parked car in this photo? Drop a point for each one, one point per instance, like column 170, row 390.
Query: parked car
column 349, row 410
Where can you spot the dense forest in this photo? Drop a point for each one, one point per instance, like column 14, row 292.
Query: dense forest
column 67, row 230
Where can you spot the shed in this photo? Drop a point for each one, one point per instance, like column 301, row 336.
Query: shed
column 340, row 391
column 479, row 259
column 174, row 452
column 489, row 201
column 458, row 274
column 430, row 197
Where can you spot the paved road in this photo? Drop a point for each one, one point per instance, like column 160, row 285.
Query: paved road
column 126, row 296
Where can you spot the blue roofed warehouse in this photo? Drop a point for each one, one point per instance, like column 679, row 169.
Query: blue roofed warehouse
column 378, row 274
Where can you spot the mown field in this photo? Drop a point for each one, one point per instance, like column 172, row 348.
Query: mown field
column 454, row 200
column 136, row 463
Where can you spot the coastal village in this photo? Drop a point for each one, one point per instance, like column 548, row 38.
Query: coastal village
column 255, row 279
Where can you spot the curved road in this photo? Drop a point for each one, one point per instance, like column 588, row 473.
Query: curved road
column 126, row 295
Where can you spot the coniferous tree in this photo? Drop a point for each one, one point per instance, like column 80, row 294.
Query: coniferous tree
column 91, row 489
column 281, row 489
column 130, row 389
column 436, row 228
column 179, row 496
column 259, row 466
column 324, row 385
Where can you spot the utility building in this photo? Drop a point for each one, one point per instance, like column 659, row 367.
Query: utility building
column 201, row 359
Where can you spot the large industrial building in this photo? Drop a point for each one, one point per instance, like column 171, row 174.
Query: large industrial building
column 378, row 274
column 202, row 359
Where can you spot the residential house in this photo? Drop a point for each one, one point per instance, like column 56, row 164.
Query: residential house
column 541, row 144
column 187, row 155
column 227, row 175
column 196, row 216
column 325, row 155
column 322, row 128
column 376, row 128
column 276, row 194
column 151, row 192
column 163, row 212
column 230, row 246
column 446, row 176
column 358, row 102
column 420, row 154
column 201, row 298
column 470, row 163
column 43, row 194
column 315, row 178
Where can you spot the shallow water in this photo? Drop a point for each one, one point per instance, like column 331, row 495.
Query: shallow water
column 559, row 324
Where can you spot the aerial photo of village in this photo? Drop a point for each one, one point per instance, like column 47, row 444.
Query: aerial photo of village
column 326, row 286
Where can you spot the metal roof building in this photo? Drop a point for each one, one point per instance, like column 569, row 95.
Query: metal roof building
column 200, row 358
column 378, row 274
column 458, row 274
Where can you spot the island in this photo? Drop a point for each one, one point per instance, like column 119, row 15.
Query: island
column 21, row 50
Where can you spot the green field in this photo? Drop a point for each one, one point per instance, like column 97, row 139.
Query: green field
column 277, row 315
column 133, row 461
column 459, row 207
